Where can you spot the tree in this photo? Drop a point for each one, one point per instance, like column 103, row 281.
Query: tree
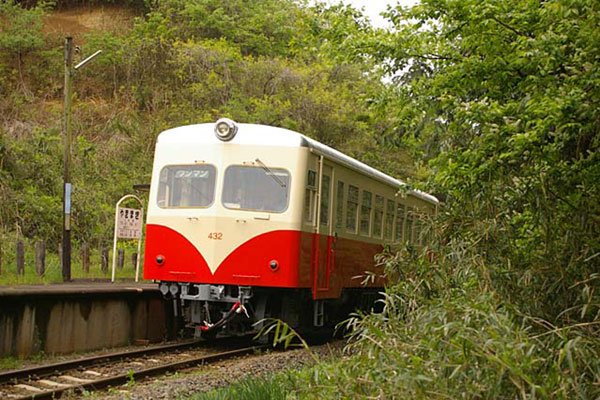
column 502, row 98
column 21, row 32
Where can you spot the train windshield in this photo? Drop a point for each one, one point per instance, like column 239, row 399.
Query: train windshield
column 186, row 186
column 256, row 188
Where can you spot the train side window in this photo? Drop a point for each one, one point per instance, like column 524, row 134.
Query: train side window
column 378, row 217
column 418, row 227
column 410, row 224
column 339, row 205
column 325, row 193
column 427, row 228
column 256, row 188
column 389, row 220
column 352, row 208
column 186, row 186
column 400, row 214
column 310, row 196
column 365, row 213
column 421, row 237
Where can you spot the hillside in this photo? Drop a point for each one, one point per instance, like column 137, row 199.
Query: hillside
column 172, row 65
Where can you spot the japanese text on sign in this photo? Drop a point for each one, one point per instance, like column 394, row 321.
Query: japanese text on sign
column 129, row 223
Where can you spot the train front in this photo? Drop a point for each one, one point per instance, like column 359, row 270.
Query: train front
column 223, row 228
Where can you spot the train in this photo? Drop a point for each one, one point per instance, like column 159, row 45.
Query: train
column 248, row 222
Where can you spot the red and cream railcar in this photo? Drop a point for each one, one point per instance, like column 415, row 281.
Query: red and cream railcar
column 250, row 221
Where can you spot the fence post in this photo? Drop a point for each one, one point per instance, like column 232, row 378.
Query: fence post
column 60, row 254
column 104, row 258
column 121, row 259
column 40, row 257
column 85, row 257
column 20, row 258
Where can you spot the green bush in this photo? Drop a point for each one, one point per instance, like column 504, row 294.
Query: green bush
column 442, row 334
column 274, row 388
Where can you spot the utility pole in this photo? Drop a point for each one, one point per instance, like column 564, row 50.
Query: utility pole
column 67, row 188
column 66, row 234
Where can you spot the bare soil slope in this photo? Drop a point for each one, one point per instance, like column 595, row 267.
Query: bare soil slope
column 77, row 21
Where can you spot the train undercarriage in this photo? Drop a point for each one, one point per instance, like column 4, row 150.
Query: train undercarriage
column 229, row 310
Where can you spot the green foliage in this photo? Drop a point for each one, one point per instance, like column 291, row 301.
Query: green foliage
column 444, row 334
column 33, row 192
column 130, row 377
column 8, row 363
column 21, row 31
column 21, row 28
column 53, row 270
column 282, row 334
column 250, row 388
column 497, row 96
column 500, row 96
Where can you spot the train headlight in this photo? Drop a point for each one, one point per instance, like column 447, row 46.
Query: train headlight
column 274, row 265
column 225, row 129
column 160, row 259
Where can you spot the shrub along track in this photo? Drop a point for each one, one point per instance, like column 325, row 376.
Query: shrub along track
column 99, row 372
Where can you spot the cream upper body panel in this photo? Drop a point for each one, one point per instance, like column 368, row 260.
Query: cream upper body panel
column 253, row 146
column 268, row 136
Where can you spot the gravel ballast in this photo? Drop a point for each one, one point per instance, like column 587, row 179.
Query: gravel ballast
column 221, row 374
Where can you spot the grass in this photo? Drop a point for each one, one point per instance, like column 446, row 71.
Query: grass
column 273, row 388
column 53, row 273
column 444, row 335
column 462, row 347
column 7, row 363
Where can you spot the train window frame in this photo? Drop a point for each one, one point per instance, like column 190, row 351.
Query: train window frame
column 310, row 196
column 427, row 235
column 324, row 201
column 339, row 206
column 400, row 223
column 378, row 210
column 390, row 217
column 418, row 229
column 366, row 205
column 410, row 225
column 270, row 168
column 214, row 187
column 352, row 216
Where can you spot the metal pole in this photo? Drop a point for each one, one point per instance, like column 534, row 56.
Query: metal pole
column 139, row 251
column 114, row 260
column 66, row 237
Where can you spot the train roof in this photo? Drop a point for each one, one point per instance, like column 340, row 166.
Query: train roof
column 264, row 135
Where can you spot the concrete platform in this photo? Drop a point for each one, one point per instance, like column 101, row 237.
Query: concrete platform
column 81, row 316
column 74, row 288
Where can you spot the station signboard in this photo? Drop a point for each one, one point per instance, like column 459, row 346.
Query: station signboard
column 129, row 223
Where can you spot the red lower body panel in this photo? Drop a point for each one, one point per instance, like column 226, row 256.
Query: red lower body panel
column 302, row 257
column 248, row 264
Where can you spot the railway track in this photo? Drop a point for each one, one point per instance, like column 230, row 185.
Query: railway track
column 100, row 372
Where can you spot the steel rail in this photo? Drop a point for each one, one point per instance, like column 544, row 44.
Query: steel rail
column 124, row 378
column 45, row 370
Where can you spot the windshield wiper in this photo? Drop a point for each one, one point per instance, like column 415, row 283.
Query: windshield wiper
column 270, row 173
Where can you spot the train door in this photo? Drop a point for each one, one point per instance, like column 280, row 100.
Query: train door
column 323, row 241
